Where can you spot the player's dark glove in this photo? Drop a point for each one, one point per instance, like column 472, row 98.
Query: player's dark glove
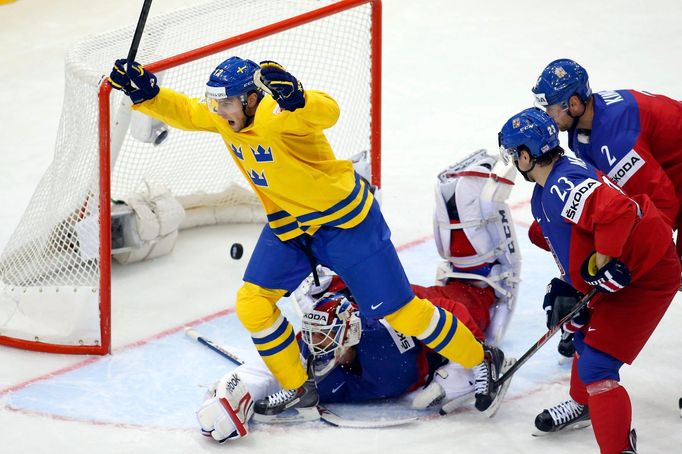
column 559, row 300
column 286, row 90
column 140, row 85
column 610, row 278
column 566, row 347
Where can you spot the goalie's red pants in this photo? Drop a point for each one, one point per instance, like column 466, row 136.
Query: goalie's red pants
column 470, row 304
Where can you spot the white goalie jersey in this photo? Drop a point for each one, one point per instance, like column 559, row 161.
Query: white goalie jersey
column 475, row 234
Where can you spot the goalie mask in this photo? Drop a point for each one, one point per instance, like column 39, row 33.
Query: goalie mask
column 330, row 329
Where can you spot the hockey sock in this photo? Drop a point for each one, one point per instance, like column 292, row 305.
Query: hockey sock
column 578, row 391
column 611, row 414
column 272, row 334
column 439, row 330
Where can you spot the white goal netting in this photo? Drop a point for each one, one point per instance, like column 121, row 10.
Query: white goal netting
column 51, row 271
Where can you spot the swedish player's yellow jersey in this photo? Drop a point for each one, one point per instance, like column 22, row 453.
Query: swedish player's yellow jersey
column 284, row 156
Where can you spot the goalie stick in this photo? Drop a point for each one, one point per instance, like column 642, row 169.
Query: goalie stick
column 543, row 340
column 326, row 415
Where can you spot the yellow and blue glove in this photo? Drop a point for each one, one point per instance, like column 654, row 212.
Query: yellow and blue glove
column 136, row 82
column 285, row 89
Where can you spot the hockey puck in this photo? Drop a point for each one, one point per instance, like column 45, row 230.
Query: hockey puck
column 236, row 251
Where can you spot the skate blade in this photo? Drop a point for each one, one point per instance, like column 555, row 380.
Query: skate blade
column 495, row 405
column 572, row 427
column 291, row 415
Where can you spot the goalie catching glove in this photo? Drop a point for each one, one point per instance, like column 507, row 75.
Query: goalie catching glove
column 610, row 278
column 136, row 82
column 225, row 413
column 284, row 88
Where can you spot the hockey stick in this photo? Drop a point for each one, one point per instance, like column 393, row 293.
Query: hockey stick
column 132, row 53
column 543, row 340
column 326, row 415
column 213, row 346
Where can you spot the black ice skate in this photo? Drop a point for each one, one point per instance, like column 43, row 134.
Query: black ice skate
column 289, row 405
column 487, row 392
column 633, row 443
column 566, row 415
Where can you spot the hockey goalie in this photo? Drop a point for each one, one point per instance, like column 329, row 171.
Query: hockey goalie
column 355, row 358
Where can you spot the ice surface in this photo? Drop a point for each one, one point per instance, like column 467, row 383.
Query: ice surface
column 454, row 71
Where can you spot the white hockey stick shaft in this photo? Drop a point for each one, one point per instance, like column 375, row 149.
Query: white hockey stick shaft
column 191, row 332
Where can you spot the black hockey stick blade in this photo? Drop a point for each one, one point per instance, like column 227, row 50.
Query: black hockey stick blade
column 132, row 53
column 545, row 337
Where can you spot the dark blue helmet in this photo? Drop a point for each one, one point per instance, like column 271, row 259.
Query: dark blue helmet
column 560, row 80
column 233, row 77
column 531, row 128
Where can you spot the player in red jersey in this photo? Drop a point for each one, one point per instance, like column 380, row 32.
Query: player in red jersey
column 634, row 137
column 599, row 238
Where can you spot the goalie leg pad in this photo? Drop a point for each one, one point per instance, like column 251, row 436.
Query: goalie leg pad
column 154, row 223
column 451, row 386
column 474, row 232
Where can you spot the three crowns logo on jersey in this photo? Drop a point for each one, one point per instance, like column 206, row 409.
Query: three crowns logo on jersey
column 262, row 155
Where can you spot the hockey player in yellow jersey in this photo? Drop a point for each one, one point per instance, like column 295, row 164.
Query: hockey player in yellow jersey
column 319, row 212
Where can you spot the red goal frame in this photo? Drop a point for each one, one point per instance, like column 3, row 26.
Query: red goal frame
column 105, row 150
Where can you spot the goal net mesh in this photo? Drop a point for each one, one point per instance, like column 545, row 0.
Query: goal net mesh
column 51, row 264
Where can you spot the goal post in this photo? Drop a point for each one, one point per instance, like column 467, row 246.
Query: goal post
column 55, row 271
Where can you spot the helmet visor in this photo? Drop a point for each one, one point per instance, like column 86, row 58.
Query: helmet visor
column 220, row 106
column 553, row 110
column 508, row 154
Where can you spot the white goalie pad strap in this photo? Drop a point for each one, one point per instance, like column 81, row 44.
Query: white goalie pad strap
column 148, row 250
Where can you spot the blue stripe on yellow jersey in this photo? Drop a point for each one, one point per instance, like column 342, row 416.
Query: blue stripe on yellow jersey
column 285, row 157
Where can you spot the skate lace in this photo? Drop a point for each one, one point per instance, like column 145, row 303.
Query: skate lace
column 281, row 397
column 481, row 381
column 565, row 412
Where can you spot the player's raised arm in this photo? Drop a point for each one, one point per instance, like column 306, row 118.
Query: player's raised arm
column 313, row 108
column 174, row 109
